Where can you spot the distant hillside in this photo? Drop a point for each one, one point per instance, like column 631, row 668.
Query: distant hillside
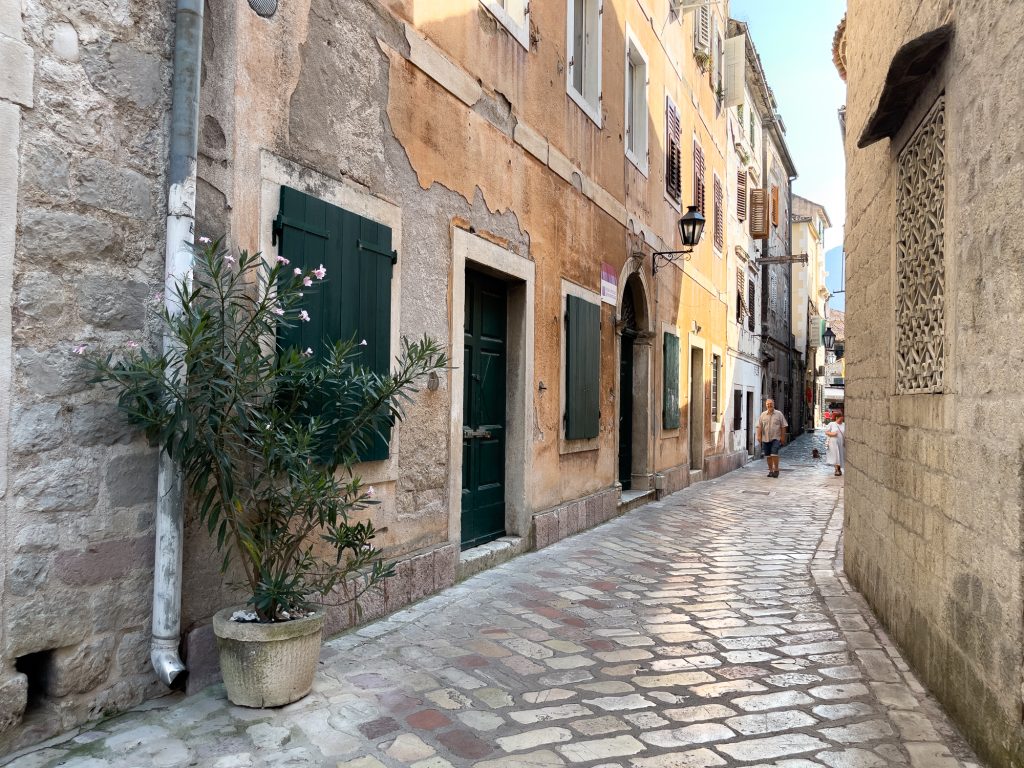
column 834, row 282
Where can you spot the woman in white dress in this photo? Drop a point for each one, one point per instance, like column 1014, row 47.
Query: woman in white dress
column 835, row 444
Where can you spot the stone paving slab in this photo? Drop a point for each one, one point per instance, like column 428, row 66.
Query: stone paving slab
column 711, row 628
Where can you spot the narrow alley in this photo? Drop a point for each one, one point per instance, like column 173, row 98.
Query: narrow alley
column 711, row 628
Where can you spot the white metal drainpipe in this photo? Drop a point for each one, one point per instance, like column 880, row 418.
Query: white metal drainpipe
column 181, row 204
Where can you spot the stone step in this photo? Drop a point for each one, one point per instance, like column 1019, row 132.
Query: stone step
column 629, row 500
column 477, row 559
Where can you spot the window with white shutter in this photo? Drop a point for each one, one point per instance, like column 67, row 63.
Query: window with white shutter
column 636, row 104
column 514, row 16
column 741, row 194
column 702, row 29
column 584, row 44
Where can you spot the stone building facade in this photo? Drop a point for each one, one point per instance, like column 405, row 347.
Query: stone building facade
column 522, row 159
column 810, row 301
column 935, row 243
column 783, row 366
column 746, row 179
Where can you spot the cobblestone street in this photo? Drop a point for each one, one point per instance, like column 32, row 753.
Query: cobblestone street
column 707, row 629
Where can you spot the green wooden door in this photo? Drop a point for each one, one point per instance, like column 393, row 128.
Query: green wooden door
column 483, row 410
column 626, row 410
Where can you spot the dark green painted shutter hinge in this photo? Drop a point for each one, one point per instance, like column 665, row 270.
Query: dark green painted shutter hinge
column 282, row 221
column 365, row 246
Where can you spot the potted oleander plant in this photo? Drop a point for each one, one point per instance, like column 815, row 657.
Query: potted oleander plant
column 267, row 439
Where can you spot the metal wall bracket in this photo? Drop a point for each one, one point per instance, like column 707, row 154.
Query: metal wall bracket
column 668, row 257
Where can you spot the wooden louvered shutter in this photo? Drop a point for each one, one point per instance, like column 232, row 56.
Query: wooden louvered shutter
column 670, row 377
column 751, row 304
column 698, row 178
column 719, row 215
column 758, row 213
column 354, row 302
column 741, row 309
column 741, row 195
column 583, row 368
column 673, row 159
column 702, row 28
column 775, row 206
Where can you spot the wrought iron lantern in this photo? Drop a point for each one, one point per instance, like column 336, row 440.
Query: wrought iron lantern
column 829, row 337
column 691, row 228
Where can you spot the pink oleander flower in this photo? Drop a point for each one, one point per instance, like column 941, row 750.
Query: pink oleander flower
column 132, row 344
column 80, row 349
column 320, row 272
column 371, row 493
column 282, row 260
column 204, row 240
column 362, row 343
column 304, row 316
column 307, row 281
column 308, row 351
column 277, row 310
column 297, row 271
column 229, row 258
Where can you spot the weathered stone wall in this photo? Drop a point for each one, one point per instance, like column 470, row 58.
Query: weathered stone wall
column 78, row 505
column 934, row 486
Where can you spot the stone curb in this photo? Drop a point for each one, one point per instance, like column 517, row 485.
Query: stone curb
column 928, row 737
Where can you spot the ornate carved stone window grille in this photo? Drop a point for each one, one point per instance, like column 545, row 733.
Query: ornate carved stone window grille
column 920, row 273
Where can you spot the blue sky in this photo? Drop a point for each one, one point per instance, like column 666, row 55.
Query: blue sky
column 794, row 38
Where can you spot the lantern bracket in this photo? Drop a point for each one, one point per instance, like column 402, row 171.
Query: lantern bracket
column 669, row 257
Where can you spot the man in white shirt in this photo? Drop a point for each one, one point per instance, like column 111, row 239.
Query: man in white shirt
column 771, row 434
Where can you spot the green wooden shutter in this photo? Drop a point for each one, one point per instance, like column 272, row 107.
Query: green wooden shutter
column 670, row 374
column 303, row 230
column 583, row 369
column 367, row 267
column 354, row 301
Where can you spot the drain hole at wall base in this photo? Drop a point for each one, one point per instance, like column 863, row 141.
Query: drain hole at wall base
column 36, row 668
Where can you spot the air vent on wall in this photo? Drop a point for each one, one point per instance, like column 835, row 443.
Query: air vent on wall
column 264, row 8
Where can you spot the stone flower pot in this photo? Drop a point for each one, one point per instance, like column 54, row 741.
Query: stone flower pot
column 268, row 665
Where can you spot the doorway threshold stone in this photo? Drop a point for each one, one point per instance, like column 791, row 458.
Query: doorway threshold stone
column 477, row 559
column 629, row 500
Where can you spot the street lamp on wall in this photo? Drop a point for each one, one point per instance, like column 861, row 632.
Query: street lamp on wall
column 691, row 228
column 829, row 337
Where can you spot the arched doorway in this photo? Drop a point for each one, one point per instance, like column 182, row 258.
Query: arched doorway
column 635, row 338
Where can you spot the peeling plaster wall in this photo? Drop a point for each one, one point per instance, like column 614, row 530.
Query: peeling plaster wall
column 457, row 154
column 934, row 485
